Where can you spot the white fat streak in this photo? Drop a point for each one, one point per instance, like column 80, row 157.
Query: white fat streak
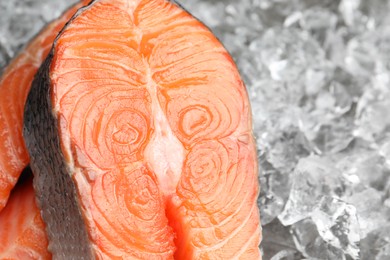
column 63, row 136
column 164, row 152
column 126, row 5
column 83, row 187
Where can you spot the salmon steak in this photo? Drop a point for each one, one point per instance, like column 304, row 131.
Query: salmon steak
column 15, row 85
column 139, row 131
column 22, row 231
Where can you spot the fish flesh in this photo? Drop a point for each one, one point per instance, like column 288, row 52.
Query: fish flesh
column 22, row 231
column 139, row 130
column 14, row 87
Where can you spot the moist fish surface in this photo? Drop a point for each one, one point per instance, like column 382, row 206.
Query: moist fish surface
column 139, row 130
column 15, row 84
column 22, row 231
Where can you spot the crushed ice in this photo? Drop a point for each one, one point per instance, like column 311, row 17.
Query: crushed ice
column 318, row 75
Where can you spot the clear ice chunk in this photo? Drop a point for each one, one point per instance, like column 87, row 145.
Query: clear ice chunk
column 285, row 254
column 366, row 166
column 333, row 137
column 312, row 179
column 349, row 10
column 371, row 213
column 376, row 245
column 309, row 242
column 279, row 239
column 317, row 18
column 274, row 192
column 372, row 115
column 338, row 225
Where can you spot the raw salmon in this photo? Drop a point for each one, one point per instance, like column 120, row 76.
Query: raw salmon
column 14, row 86
column 139, row 130
column 22, row 231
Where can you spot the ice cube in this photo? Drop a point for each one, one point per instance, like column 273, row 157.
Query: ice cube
column 338, row 225
column 376, row 245
column 334, row 136
column 371, row 118
column 371, row 213
column 317, row 18
column 274, row 192
column 279, row 242
column 313, row 178
column 285, row 254
column 310, row 243
column 315, row 80
column 367, row 165
column 349, row 11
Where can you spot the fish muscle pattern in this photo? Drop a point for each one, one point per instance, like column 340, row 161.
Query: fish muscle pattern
column 138, row 126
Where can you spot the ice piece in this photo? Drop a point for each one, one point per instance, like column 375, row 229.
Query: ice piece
column 371, row 213
column 274, row 12
column 288, row 53
column 384, row 150
column 274, row 192
column 277, row 129
column 319, row 22
column 368, row 167
column 271, row 206
column 384, row 252
column 285, row 254
column 315, row 80
column 313, row 178
column 361, row 59
column 317, row 18
column 279, row 242
column 325, row 101
column 338, row 225
column 371, row 117
column 352, row 85
column 349, row 11
column 343, row 99
column 285, row 149
column 386, row 203
column 328, row 4
column 375, row 10
column 292, row 19
column 335, row 45
column 310, row 243
column 376, row 245
column 334, row 136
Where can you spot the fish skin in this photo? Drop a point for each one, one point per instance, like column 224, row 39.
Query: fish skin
column 71, row 239
column 75, row 184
